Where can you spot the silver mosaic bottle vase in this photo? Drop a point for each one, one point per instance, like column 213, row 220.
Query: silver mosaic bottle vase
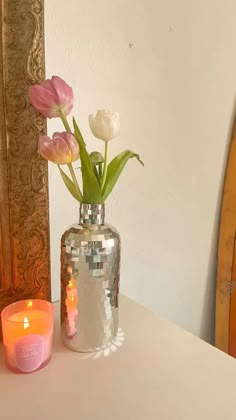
column 90, row 271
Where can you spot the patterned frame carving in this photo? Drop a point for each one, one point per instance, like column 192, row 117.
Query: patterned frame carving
column 24, row 215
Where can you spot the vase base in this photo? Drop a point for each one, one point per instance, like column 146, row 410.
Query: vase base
column 74, row 345
column 84, row 351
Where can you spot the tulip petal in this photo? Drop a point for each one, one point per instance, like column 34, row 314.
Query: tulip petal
column 61, row 149
column 64, row 93
column 105, row 125
column 51, row 97
column 44, row 101
column 93, row 127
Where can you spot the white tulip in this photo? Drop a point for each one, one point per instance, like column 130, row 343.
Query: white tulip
column 105, row 125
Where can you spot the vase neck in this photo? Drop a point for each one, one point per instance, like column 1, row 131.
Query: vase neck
column 91, row 214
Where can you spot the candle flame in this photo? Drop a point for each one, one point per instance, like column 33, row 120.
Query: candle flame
column 26, row 322
column 30, row 304
column 72, row 298
column 70, row 284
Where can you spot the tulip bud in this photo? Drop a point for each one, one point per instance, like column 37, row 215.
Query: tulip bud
column 105, row 125
column 96, row 157
column 52, row 97
column 61, row 149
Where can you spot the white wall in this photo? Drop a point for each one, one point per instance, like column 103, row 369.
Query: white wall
column 175, row 92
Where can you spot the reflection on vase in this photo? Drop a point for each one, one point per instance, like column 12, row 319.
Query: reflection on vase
column 71, row 306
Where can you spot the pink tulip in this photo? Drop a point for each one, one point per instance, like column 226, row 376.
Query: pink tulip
column 52, row 97
column 61, row 149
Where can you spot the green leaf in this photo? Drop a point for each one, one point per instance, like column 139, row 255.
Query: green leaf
column 114, row 170
column 91, row 187
column 79, row 136
column 69, row 184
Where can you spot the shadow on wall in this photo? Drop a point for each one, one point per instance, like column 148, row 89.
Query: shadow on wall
column 207, row 329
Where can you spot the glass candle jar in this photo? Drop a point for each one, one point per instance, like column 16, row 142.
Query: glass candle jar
column 27, row 328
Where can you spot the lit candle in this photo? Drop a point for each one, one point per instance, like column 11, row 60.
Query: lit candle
column 27, row 334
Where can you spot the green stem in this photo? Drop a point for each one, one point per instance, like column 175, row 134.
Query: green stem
column 65, row 122
column 105, row 166
column 72, row 172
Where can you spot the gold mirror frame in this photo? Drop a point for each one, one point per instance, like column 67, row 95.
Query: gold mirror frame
column 24, row 227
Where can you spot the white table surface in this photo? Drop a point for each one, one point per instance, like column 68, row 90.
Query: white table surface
column 158, row 372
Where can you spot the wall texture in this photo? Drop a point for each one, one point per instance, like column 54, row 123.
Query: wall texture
column 175, row 92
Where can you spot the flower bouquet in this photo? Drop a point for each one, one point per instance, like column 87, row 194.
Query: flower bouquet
column 54, row 99
column 90, row 249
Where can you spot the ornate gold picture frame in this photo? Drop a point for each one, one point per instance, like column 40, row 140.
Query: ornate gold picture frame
column 24, row 227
